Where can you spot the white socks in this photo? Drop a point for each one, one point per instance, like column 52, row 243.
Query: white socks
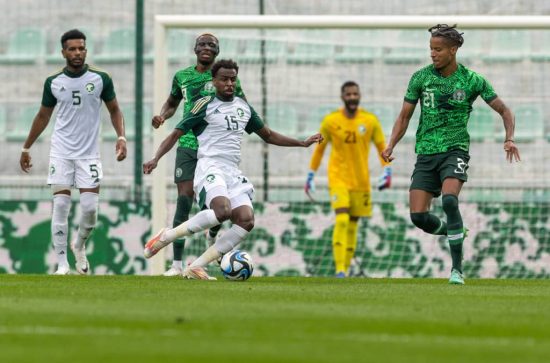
column 60, row 228
column 224, row 244
column 230, row 239
column 88, row 205
column 199, row 222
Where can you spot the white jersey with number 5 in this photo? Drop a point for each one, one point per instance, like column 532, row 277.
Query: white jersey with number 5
column 219, row 127
column 78, row 99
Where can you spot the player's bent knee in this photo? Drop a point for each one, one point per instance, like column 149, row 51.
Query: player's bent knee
column 420, row 219
column 449, row 203
column 247, row 224
column 222, row 212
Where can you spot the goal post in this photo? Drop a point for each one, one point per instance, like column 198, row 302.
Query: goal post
column 161, row 66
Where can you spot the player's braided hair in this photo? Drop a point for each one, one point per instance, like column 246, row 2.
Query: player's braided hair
column 447, row 32
column 224, row 63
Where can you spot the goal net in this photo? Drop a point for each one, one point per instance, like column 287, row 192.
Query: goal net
column 291, row 70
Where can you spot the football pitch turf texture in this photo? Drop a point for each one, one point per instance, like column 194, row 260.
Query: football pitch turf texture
column 157, row 319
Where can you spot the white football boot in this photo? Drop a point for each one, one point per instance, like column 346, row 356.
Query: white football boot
column 173, row 271
column 62, row 270
column 82, row 265
column 197, row 273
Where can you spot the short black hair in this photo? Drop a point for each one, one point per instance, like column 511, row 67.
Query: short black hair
column 348, row 84
column 447, row 32
column 224, row 63
column 72, row 34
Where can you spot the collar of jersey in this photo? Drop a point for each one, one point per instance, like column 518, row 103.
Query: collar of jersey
column 458, row 68
column 75, row 75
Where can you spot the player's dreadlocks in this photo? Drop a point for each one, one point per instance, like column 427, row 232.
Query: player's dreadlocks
column 447, row 32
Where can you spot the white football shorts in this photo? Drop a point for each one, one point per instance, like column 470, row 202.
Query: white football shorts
column 80, row 173
column 212, row 182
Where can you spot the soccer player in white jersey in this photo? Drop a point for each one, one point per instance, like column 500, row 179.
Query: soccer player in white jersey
column 77, row 90
column 219, row 123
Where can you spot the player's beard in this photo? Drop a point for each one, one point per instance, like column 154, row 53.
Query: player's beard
column 352, row 105
column 76, row 65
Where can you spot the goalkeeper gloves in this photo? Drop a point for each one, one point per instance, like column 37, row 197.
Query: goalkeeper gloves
column 310, row 185
column 385, row 179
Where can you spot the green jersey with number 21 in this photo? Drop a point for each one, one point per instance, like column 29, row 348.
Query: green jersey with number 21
column 446, row 103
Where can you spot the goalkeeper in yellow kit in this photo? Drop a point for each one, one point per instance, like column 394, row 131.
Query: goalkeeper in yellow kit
column 351, row 130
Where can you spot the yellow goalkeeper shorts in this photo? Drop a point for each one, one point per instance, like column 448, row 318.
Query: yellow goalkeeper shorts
column 358, row 203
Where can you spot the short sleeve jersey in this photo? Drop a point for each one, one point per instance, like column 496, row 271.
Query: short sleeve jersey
column 190, row 85
column 78, row 98
column 351, row 140
column 446, row 103
column 219, row 127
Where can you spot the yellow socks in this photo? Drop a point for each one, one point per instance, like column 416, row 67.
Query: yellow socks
column 351, row 244
column 339, row 241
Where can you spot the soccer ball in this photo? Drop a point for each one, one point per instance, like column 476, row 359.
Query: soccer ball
column 237, row 265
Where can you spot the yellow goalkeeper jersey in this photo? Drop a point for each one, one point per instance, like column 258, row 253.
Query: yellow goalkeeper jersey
column 351, row 139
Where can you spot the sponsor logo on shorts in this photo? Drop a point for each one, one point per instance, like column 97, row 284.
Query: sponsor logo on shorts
column 210, row 178
column 179, row 172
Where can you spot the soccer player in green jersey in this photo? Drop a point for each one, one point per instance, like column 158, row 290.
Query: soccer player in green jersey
column 189, row 85
column 446, row 91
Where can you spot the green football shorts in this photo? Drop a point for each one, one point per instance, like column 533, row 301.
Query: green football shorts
column 431, row 170
column 186, row 162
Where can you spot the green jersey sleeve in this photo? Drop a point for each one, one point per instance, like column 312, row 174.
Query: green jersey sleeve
column 48, row 99
column 486, row 91
column 176, row 89
column 414, row 89
column 255, row 123
column 195, row 117
column 108, row 92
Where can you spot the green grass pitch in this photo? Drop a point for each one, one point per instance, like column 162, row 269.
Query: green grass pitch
column 157, row 319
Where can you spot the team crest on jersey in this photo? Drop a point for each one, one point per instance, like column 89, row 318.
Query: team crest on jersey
column 210, row 178
column 52, row 169
column 459, row 95
column 179, row 172
column 362, row 129
column 209, row 87
column 240, row 112
column 90, row 87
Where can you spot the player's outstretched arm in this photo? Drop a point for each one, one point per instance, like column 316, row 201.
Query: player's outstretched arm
column 39, row 124
column 117, row 120
column 512, row 151
column 166, row 145
column 168, row 110
column 399, row 129
column 275, row 138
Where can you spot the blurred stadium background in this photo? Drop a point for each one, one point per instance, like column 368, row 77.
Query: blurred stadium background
column 505, row 206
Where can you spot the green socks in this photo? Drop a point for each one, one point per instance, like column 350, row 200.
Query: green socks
column 183, row 207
